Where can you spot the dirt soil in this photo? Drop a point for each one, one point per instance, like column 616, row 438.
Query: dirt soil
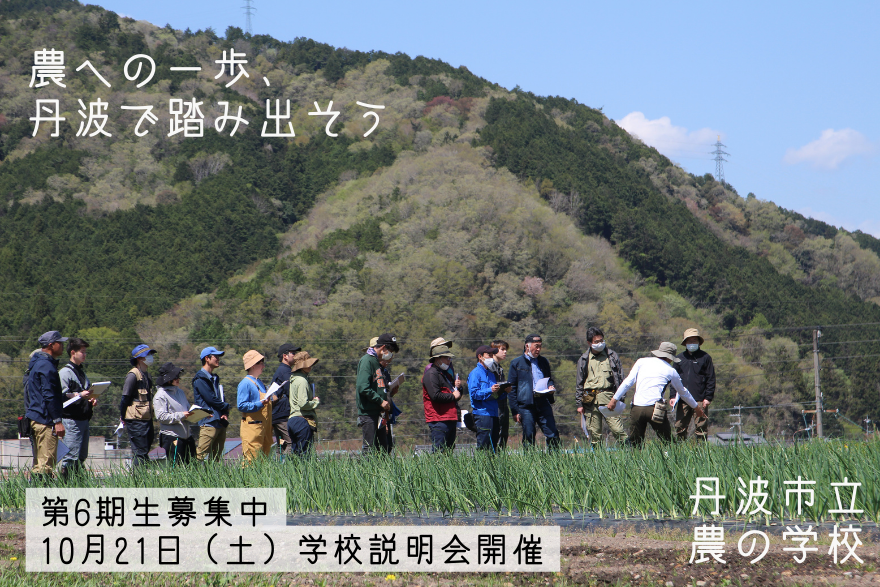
column 605, row 557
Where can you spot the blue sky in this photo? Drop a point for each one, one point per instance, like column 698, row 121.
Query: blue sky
column 792, row 89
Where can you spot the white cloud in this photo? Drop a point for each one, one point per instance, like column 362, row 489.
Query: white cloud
column 831, row 149
column 670, row 140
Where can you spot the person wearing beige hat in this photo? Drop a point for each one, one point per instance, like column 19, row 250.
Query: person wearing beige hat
column 440, row 394
column 650, row 376
column 697, row 373
column 302, row 423
column 255, row 408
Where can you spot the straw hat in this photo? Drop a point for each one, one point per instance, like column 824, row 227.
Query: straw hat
column 441, row 341
column 667, row 351
column 251, row 358
column 689, row 333
column 302, row 360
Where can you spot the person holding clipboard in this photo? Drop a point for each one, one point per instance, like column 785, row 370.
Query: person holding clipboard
column 303, row 421
column 76, row 415
column 255, row 408
column 172, row 410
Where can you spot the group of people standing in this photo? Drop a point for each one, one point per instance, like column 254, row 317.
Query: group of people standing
column 288, row 413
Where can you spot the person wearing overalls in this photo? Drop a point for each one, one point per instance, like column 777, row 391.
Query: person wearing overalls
column 255, row 408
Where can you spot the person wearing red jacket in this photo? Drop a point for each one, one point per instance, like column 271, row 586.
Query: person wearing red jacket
column 440, row 394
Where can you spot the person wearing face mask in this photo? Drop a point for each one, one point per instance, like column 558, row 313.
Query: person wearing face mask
column 650, row 376
column 698, row 375
column 533, row 409
column 371, row 394
column 503, row 403
column 599, row 374
column 440, row 395
column 135, row 408
column 484, row 391
column 255, row 408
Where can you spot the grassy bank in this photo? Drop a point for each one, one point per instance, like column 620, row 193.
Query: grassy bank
column 658, row 480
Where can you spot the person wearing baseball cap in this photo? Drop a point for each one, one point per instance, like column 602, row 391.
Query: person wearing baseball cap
column 533, row 409
column 43, row 402
column 440, row 394
column 255, row 408
column 650, row 376
column 372, row 396
column 698, row 375
column 208, row 394
column 136, row 405
column 281, row 403
column 484, row 391
column 172, row 409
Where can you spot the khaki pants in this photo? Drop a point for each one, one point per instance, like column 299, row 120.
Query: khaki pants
column 211, row 443
column 45, row 449
column 683, row 416
column 256, row 432
column 594, row 419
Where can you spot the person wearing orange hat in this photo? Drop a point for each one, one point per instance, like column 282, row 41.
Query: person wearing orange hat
column 255, row 408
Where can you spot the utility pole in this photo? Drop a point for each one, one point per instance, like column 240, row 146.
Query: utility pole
column 719, row 158
column 249, row 12
column 816, row 334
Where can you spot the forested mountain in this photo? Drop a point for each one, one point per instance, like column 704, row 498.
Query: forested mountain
column 471, row 212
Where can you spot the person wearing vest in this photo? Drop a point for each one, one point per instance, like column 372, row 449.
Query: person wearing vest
column 42, row 396
column 136, row 406
column 208, row 394
column 484, row 392
column 303, row 421
column 372, row 396
column 599, row 374
column 440, row 395
column 172, row 409
column 75, row 417
column 255, row 408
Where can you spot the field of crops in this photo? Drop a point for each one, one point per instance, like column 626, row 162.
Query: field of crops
column 656, row 481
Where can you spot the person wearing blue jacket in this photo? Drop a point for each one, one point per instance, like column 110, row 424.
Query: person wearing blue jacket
column 483, row 389
column 255, row 408
column 208, row 394
column 531, row 408
column 43, row 402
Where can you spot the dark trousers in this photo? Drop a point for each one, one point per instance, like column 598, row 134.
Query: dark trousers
column 640, row 418
column 539, row 414
column 374, row 437
column 178, row 454
column 504, row 417
column 443, row 434
column 140, row 434
column 282, row 434
column 683, row 416
column 488, row 432
column 301, row 435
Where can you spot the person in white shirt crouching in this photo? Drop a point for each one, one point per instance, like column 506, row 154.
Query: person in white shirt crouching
column 650, row 376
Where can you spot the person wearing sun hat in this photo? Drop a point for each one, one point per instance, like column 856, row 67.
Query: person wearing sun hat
column 303, row 421
column 172, row 408
column 255, row 408
column 697, row 373
column 650, row 376
column 136, row 405
column 440, row 395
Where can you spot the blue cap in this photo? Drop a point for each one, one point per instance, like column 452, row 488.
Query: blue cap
column 50, row 337
column 210, row 351
column 141, row 350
